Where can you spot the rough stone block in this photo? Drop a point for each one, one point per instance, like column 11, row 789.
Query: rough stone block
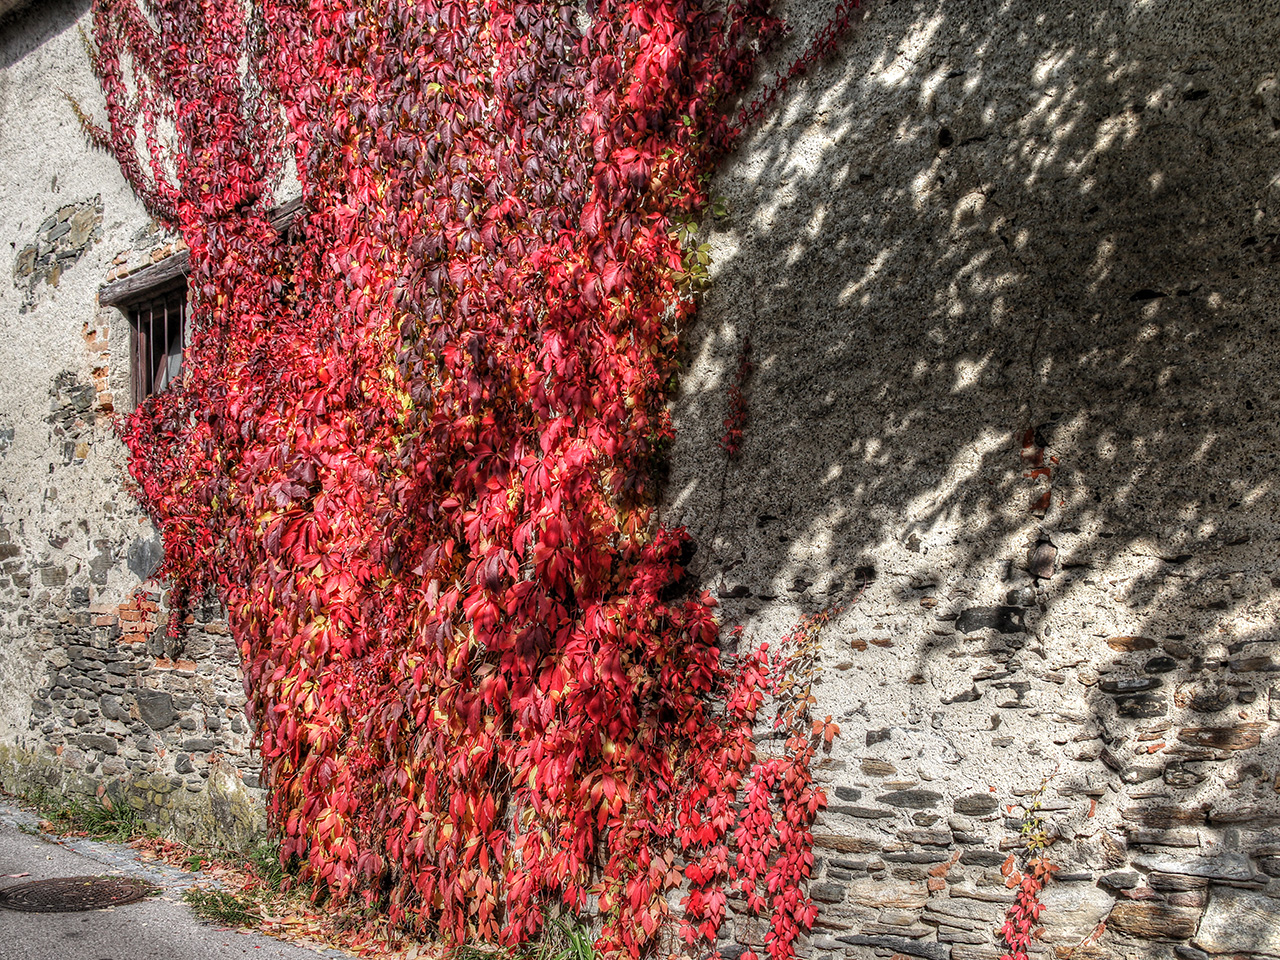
column 1165, row 881
column 1240, row 737
column 96, row 741
column 1141, row 706
column 144, row 556
column 1164, row 817
column 1240, row 920
column 976, row 805
column 842, row 844
column 1151, row 920
column 1120, row 880
column 860, row 813
column 156, row 708
column 958, row 935
column 912, row 948
column 911, row 799
column 1072, row 912
column 1203, row 697
column 1129, row 685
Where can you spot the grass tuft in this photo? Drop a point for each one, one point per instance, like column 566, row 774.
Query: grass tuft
column 218, row 906
column 561, row 939
column 570, row 941
column 265, row 858
column 96, row 818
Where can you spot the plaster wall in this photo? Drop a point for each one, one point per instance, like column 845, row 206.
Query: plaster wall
column 1008, row 273
column 92, row 696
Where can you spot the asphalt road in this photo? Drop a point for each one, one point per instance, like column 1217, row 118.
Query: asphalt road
column 160, row 928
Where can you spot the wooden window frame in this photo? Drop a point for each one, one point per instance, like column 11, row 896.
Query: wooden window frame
column 157, row 336
column 159, row 289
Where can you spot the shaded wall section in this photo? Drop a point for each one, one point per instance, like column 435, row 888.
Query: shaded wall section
column 1008, row 271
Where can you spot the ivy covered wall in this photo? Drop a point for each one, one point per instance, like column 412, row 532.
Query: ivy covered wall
column 1008, row 277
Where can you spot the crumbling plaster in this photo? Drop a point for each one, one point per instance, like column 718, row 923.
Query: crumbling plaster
column 48, row 165
column 93, row 693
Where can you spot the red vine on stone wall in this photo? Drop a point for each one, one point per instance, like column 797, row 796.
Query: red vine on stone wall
column 1022, row 919
column 412, row 450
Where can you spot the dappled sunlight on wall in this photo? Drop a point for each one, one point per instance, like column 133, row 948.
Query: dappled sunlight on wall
column 1009, row 280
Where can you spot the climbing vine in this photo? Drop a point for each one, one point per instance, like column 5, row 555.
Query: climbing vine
column 1021, row 924
column 413, row 448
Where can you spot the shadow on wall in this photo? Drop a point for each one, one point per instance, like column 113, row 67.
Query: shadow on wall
column 932, row 257
column 21, row 33
column 1010, row 279
column 969, row 287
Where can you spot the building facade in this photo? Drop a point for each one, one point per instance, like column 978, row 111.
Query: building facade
column 1009, row 277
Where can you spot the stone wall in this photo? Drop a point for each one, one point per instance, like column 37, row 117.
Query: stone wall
column 92, row 695
column 1008, row 273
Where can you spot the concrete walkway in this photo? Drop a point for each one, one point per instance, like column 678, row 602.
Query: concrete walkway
column 160, row 928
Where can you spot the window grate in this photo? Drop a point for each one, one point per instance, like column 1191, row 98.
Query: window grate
column 158, row 335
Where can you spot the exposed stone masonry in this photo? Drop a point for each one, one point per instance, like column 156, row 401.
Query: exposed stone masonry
column 61, row 241
column 101, row 699
column 1161, row 797
column 160, row 724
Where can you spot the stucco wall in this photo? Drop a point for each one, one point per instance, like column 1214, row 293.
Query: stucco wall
column 90, row 691
column 992, row 251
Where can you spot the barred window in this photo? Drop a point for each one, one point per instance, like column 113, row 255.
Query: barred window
column 158, row 335
column 155, row 300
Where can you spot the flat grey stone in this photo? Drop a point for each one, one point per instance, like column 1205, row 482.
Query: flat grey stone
column 1129, row 685
column 144, row 556
column 977, row 805
column 1223, row 866
column 96, row 741
column 1120, row 880
column 911, row 799
column 1240, row 921
column 912, row 948
column 827, row 892
column 982, row 858
column 1141, row 705
column 860, row 813
column 155, row 708
column 1072, row 912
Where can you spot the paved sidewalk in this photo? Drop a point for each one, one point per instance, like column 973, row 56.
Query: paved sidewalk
column 160, row 928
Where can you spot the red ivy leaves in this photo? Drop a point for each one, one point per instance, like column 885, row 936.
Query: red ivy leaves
column 412, row 450
column 1021, row 921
